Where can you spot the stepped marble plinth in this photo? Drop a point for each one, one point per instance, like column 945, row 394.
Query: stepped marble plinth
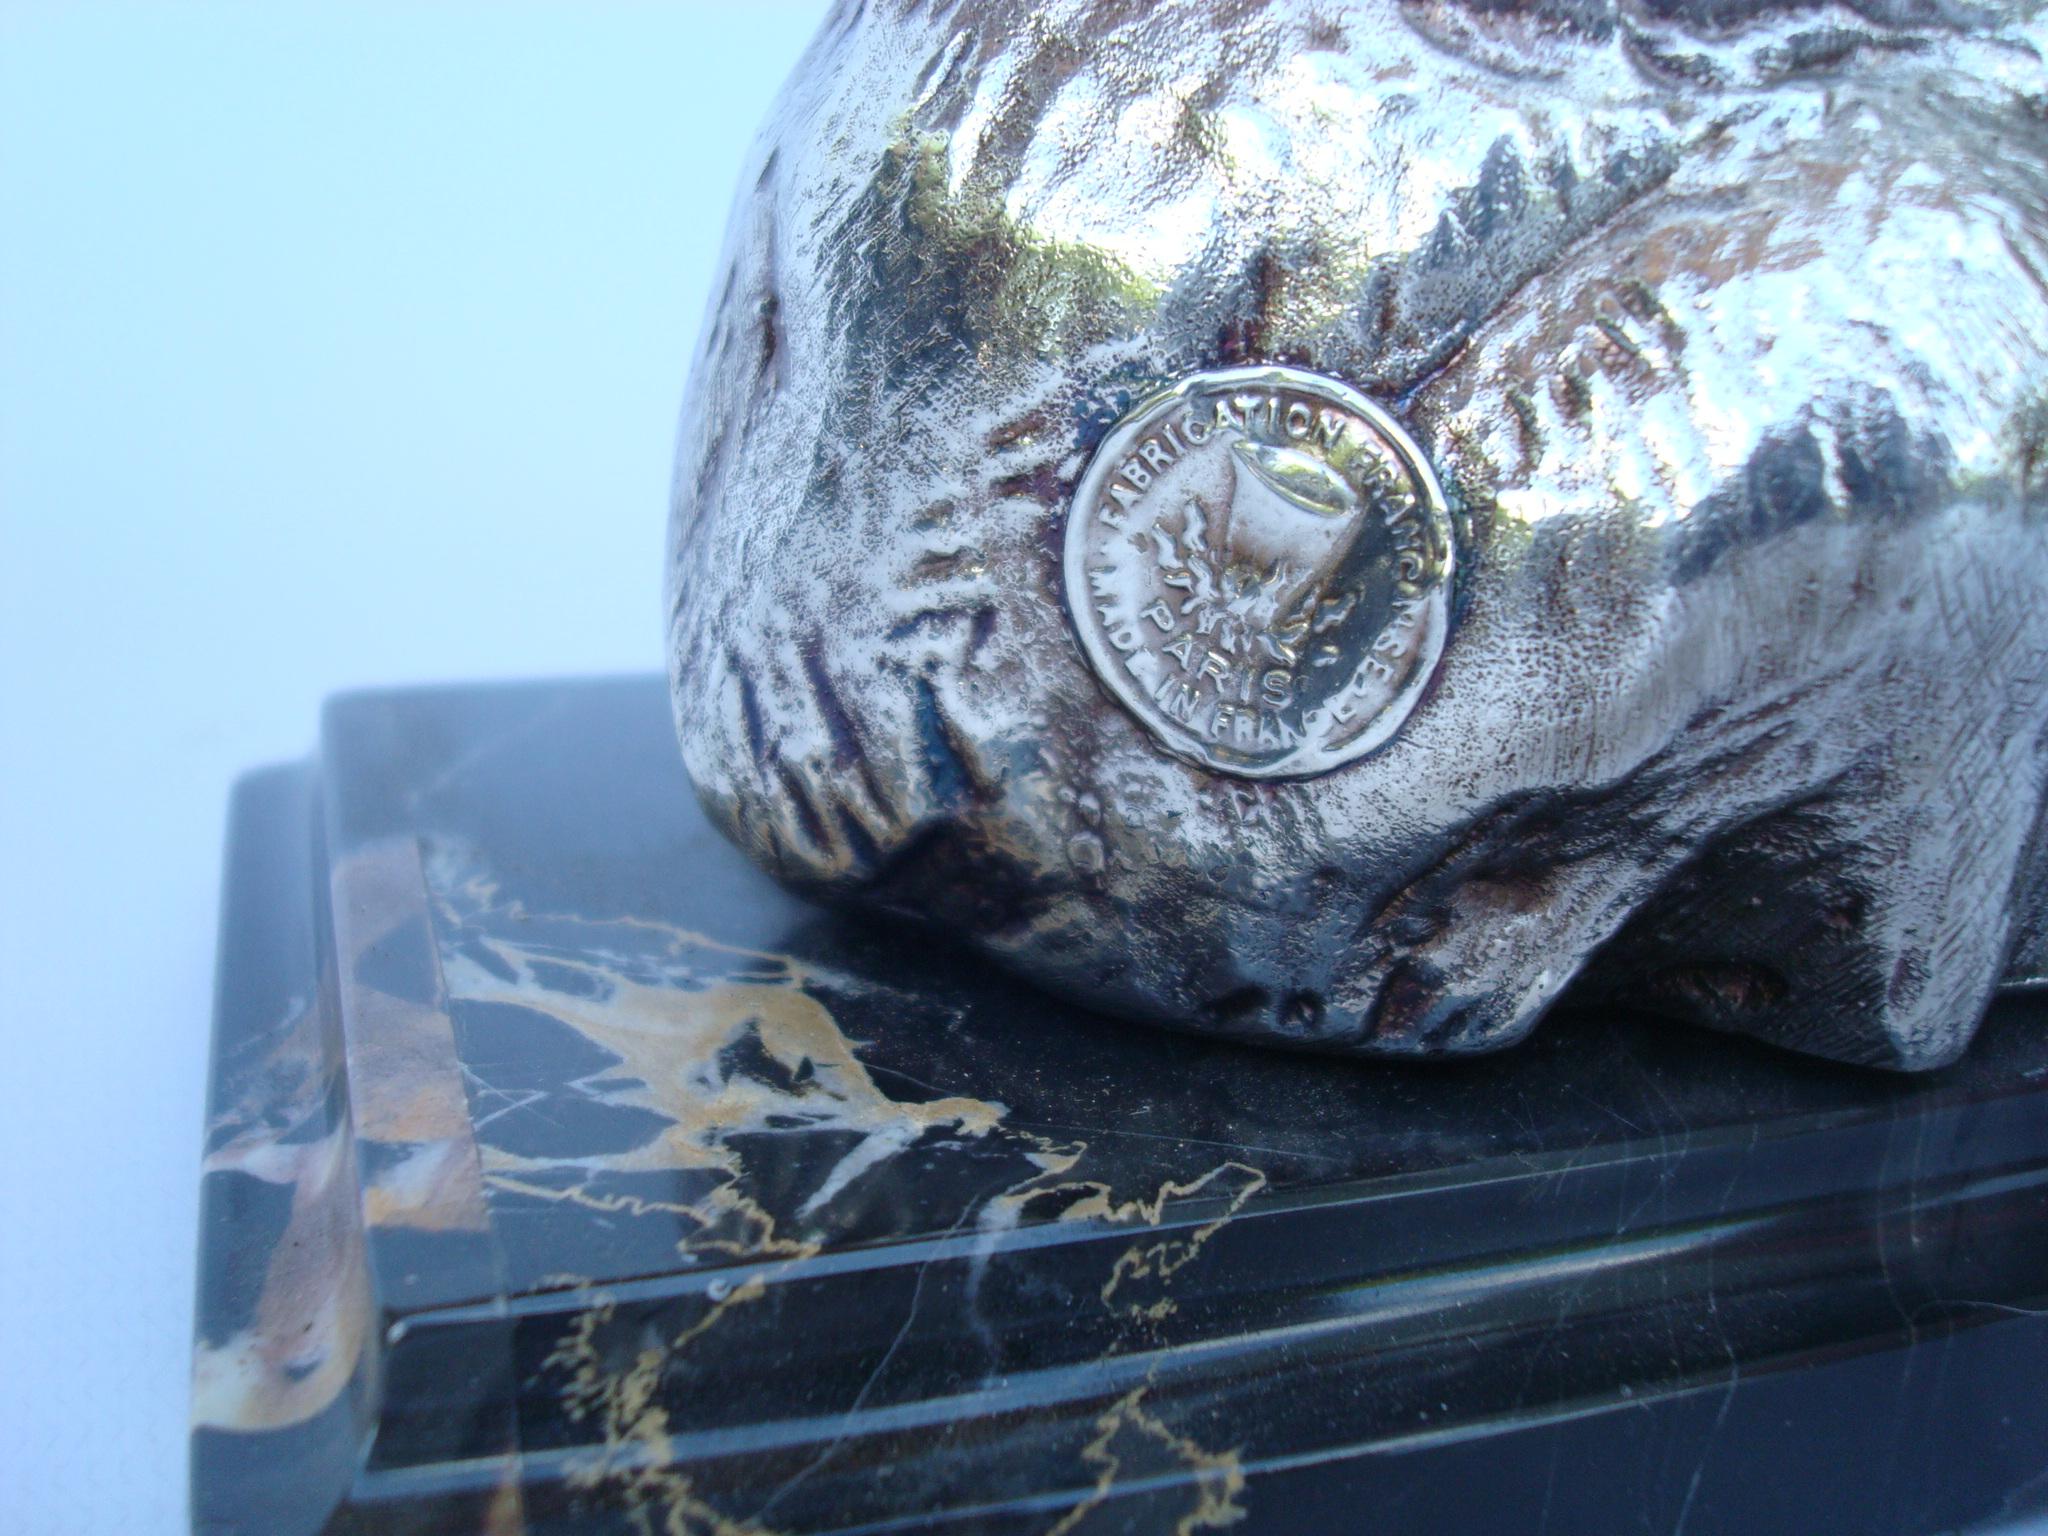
column 565, row 1174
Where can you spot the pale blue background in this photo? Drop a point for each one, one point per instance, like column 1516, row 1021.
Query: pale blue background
column 339, row 345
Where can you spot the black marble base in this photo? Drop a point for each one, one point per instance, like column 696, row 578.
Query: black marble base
column 565, row 1175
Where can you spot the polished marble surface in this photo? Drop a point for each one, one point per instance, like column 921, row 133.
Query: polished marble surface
column 565, row 1174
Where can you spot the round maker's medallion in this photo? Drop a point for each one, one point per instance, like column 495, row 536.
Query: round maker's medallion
column 1258, row 564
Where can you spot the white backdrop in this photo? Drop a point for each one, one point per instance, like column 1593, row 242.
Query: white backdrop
column 338, row 346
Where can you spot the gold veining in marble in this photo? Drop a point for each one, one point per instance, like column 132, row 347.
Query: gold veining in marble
column 1131, row 1442
column 670, row 1005
column 311, row 1320
column 405, row 1080
column 636, row 1460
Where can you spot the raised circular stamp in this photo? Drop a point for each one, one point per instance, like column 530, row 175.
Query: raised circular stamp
column 1258, row 565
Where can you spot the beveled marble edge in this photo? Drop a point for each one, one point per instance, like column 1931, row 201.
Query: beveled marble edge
column 278, row 1116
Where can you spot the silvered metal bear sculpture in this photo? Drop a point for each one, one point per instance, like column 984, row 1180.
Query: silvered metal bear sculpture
column 1333, row 523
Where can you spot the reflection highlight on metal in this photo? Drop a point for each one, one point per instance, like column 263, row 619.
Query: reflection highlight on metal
column 1720, row 689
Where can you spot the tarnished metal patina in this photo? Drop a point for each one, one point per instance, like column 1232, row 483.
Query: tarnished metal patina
column 1332, row 524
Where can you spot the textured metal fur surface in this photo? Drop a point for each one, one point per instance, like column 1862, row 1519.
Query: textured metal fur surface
column 1725, row 328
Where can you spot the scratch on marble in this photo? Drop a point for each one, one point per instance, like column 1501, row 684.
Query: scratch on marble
column 486, row 747
column 1734, row 1384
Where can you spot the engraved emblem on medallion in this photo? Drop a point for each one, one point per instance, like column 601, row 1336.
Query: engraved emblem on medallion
column 1258, row 565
